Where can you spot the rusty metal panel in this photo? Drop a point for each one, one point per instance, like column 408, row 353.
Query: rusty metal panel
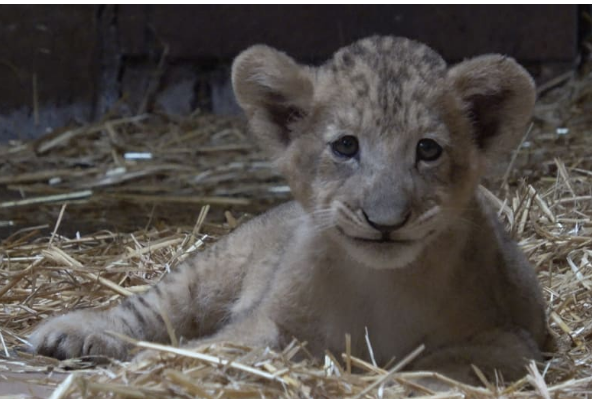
column 531, row 33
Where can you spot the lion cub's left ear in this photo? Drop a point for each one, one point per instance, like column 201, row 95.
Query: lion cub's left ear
column 274, row 91
column 499, row 97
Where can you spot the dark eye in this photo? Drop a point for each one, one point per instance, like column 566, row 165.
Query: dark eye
column 346, row 146
column 428, row 150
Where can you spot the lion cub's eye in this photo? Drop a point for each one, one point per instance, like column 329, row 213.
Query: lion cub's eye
column 345, row 146
column 428, row 150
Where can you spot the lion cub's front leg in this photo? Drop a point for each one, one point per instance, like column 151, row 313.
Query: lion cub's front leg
column 195, row 297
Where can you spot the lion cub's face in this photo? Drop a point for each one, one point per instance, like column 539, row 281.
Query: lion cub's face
column 383, row 144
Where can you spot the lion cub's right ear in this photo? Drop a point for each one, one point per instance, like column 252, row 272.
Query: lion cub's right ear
column 274, row 91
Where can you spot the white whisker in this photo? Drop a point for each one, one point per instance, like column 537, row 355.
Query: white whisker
column 349, row 215
column 322, row 228
column 314, row 214
column 429, row 214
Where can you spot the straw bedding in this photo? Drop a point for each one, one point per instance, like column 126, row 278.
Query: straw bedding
column 94, row 213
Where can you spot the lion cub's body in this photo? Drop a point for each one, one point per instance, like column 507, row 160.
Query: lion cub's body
column 472, row 280
column 391, row 237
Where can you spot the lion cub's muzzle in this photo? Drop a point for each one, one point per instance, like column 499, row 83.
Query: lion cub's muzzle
column 358, row 225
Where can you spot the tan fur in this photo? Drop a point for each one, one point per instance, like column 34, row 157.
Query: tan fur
column 447, row 276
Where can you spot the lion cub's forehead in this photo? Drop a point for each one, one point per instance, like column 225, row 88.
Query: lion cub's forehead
column 389, row 54
column 386, row 83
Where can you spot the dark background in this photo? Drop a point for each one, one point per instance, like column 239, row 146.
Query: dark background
column 71, row 64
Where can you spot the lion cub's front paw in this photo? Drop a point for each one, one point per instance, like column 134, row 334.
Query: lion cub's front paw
column 74, row 335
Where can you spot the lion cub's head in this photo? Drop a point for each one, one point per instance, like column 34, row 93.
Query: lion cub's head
column 384, row 144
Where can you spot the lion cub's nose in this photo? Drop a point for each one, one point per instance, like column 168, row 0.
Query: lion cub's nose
column 387, row 228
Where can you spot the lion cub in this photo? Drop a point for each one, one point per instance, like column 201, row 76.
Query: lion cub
column 383, row 147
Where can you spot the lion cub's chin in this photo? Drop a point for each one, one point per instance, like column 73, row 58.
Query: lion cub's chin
column 381, row 255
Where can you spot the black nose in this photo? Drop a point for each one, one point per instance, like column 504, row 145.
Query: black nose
column 390, row 227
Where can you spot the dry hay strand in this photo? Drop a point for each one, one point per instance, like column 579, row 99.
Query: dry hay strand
column 130, row 184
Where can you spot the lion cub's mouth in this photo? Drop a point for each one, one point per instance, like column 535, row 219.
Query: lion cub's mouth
column 385, row 239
